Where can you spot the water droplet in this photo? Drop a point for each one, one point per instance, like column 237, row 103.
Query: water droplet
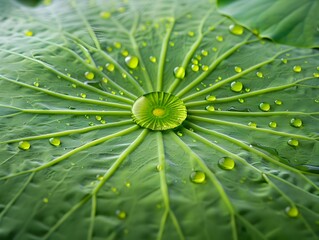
column 226, row 163
column 105, row 15
column 121, row 9
column 247, row 89
column 204, row 68
column 128, row 184
column 284, row 60
column 210, row 98
column 219, row 38
column 109, row 49
column 24, row 145
column 120, row 214
column 159, row 167
column 179, row 72
column 238, row 69
column 74, row 85
column 172, row 44
column 45, row 200
column 28, row 33
column 252, row 124
column 131, row 62
column 296, row 122
column 236, row 86
column 99, row 177
column 204, row 53
column 241, row 100
column 55, row 141
column 259, row 74
column 297, row 69
column 292, row 211
column 210, row 108
column 195, row 61
column 195, row 67
column 117, row 45
column 272, row 124
column 316, row 75
column 293, row 142
column 89, row 75
column 191, row 34
column 124, row 53
column 152, row 59
column 265, row 107
column 278, row 102
column 180, row 134
column 214, row 49
column 36, row 84
column 110, row 67
column 197, row 177
column 236, row 29
column 83, row 95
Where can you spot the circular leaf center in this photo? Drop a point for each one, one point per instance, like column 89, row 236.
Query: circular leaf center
column 159, row 111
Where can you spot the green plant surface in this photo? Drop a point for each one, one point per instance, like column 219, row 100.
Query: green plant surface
column 290, row 22
column 74, row 164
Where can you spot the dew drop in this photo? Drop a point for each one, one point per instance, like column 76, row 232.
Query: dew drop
column 210, row 108
column 284, row 60
column 128, row 184
column 296, row 122
column 204, row 68
column 241, row 100
column 120, row 214
column 236, row 86
column 152, row 59
column 172, row 44
column 293, row 142
column 226, row 163
column 28, row 33
column 297, row 68
column 105, row 15
column 272, row 124
column 45, row 200
column 236, row 29
column 117, row 45
column 83, row 95
column 265, row 107
column 210, row 98
column 204, row 53
column 195, row 67
column 180, row 134
column 219, row 38
column 99, row 118
column 238, row 69
column 316, row 75
column 195, row 61
column 24, row 145
column 278, row 102
column 292, row 211
column 89, row 75
column 179, row 72
column 36, row 84
column 55, row 142
column 110, row 67
column 124, row 53
column 259, row 74
column 252, row 124
column 197, row 177
column 131, row 61
column 159, row 167
column 191, row 34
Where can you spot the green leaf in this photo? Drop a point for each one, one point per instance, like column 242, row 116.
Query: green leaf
column 74, row 164
column 291, row 22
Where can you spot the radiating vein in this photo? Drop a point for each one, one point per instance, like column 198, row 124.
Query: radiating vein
column 164, row 189
column 213, row 179
column 251, row 114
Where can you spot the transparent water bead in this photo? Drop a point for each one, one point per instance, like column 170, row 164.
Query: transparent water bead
column 236, row 29
column 292, row 211
column 159, row 111
column 131, row 61
column 296, row 122
column 265, row 107
column 55, row 142
column 226, row 163
column 24, row 145
column 236, row 86
column 179, row 72
column 197, row 177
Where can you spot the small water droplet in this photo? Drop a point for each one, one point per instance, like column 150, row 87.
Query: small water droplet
column 204, row 53
column 316, row 75
column 105, row 80
column 236, row 29
column 204, row 68
column 272, row 124
column 265, row 107
column 36, row 84
column 236, row 86
column 89, row 75
column 24, row 145
column 293, row 142
column 210, row 108
column 197, row 177
column 296, row 122
column 238, row 69
column 219, row 38
column 292, row 211
column 74, row 85
column 247, row 89
column 195, row 61
column 195, row 67
column 131, row 62
column 152, row 59
column 124, row 53
column 180, row 134
column 110, row 67
column 284, row 60
column 179, row 72
column 252, row 124
column 241, row 100
column 278, row 102
column 214, row 49
column 128, row 184
column 83, row 95
column 259, row 74
column 226, row 163
column 117, row 45
column 159, row 167
column 109, row 49
column 191, row 34
column 28, row 33
column 99, row 118
column 105, row 15
column 45, row 200
column 297, row 69
column 172, row 44
column 210, row 98
column 55, row 142
column 120, row 214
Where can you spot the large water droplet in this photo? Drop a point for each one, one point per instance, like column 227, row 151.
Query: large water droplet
column 197, row 177
column 265, row 107
column 236, row 29
column 131, row 62
column 226, row 163
column 236, row 86
column 55, row 141
column 297, row 69
column 296, row 122
column 195, row 67
column 179, row 72
column 24, row 145
column 89, row 75
column 292, row 211
column 293, row 142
